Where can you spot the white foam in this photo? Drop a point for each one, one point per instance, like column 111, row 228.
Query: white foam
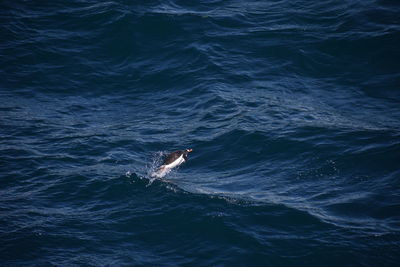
column 161, row 172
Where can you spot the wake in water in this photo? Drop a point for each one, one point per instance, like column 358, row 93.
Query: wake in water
column 153, row 170
column 148, row 169
column 160, row 172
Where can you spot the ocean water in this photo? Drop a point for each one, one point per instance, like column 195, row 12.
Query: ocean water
column 292, row 109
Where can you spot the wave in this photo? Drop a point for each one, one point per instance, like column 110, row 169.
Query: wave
column 291, row 109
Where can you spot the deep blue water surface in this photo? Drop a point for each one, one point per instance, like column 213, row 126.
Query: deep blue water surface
column 292, row 109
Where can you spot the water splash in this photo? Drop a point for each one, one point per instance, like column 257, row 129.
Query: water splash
column 152, row 170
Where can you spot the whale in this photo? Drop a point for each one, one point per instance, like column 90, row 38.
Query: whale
column 171, row 161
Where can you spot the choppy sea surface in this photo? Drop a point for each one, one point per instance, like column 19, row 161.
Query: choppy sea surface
column 292, row 109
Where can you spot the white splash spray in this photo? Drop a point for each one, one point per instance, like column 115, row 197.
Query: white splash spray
column 154, row 170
